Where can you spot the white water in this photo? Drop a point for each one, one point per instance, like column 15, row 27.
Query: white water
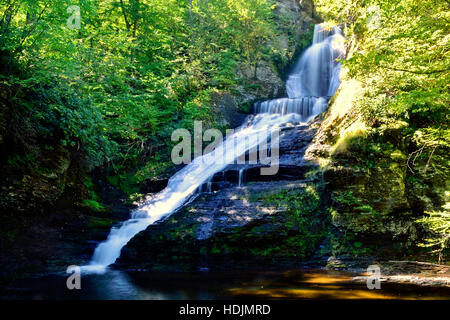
column 315, row 77
column 184, row 183
column 241, row 177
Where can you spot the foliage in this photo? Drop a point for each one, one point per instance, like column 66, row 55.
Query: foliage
column 399, row 52
column 94, row 205
column 114, row 90
column 439, row 224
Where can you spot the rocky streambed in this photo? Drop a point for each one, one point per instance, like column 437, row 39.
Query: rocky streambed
column 266, row 223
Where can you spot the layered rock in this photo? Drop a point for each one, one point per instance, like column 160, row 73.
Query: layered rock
column 372, row 191
column 232, row 226
column 215, row 231
column 293, row 20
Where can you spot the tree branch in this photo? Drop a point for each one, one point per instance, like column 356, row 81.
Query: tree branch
column 7, row 17
column 434, row 149
column 127, row 23
column 416, row 71
column 31, row 28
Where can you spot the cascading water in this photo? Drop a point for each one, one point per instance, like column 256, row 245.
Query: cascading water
column 185, row 182
column 241, row 177
column 313, row 80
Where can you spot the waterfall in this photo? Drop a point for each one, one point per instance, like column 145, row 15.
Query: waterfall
column 206, row 187
column 313, row 80
column 184, row 183
column 241, row 177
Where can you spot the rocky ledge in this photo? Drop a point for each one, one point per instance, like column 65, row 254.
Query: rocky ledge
column 412, row 272
column 228, row 228
column 265, row 222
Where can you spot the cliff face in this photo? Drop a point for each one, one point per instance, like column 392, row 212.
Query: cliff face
column 269, row 221
column 36, row 171
column 374, row 193
column 294, row 21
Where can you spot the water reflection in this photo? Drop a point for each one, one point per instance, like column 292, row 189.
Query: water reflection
column 116, row 285
column 293, row 284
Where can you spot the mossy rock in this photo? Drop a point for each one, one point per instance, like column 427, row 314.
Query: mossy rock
column 282, row 223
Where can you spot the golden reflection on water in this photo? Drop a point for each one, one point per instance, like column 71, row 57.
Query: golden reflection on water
column 321, row 285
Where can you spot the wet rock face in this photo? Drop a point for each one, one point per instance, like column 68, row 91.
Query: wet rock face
column 229, row 226
column 263, row 81
column 370, row 201
column 263, row 78
column 35, row 191
column 226, row 110
column 302, row 11
column 293, row 143
column 372, row 191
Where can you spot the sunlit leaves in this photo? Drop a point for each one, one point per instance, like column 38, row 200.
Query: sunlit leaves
column 134, row 71
column 404, row 65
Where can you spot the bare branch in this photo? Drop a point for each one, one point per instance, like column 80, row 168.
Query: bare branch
column 434, row 149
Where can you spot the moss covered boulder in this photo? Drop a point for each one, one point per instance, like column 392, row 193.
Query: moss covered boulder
column 262, row 224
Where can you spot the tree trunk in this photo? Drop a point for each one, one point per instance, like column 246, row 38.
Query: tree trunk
column 127, row 23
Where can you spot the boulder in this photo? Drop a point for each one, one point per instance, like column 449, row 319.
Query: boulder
column 228, row 226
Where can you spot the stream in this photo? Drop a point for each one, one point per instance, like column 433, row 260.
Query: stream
column 313, row 80
column 209, row 285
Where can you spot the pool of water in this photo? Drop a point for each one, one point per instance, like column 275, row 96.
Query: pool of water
column 289, row 284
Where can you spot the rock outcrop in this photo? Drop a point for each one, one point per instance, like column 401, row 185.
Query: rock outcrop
column 231, row 226
column 373, row 193
column 264, row 78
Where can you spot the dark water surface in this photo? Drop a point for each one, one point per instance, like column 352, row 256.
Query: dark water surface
column 293, row 284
